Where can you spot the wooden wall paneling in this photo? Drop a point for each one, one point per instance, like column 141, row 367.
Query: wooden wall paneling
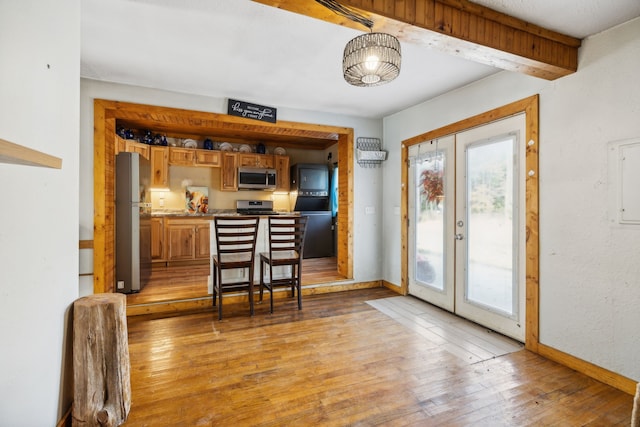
column 345, row 205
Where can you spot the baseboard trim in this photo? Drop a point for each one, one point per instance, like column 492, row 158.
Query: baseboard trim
column 603, row 375
column 392, row 287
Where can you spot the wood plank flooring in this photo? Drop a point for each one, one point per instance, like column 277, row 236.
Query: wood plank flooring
column 183, row 282
column 340, row 361
column 468, row 341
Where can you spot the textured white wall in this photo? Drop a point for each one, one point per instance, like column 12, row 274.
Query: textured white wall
column 39, row 108
column 589, row 270
column 367, row 228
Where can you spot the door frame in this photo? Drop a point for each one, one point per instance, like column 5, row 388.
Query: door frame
column 528, row 106
column 195, row 124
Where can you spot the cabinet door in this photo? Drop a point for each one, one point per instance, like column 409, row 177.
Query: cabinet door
column 208, row 158
column 281, row 164
column 181, row 242
column 157, row 232
column 255, row 160
column 229, row 172
column 181, row 156
column 136, row 147
column 202, row 250
column 159, row 167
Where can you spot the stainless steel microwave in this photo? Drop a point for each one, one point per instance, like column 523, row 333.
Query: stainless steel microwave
column 256, row 179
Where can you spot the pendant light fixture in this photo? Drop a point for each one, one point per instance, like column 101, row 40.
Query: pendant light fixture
column 371, row 59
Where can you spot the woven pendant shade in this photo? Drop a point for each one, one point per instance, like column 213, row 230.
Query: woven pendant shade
column 371, row 59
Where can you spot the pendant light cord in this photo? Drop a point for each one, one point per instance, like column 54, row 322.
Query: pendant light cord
column 347, row 12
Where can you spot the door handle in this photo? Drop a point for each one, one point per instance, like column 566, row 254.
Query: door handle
column 459, row 236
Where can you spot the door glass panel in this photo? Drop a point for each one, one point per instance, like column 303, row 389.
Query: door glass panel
column 490, row 215
column 430, row 221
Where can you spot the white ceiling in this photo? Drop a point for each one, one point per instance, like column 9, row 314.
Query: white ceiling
column 244, row 50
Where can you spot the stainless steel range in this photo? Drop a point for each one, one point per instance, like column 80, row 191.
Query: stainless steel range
column 255, row 207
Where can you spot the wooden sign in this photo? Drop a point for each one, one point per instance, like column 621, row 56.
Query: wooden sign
column 251, row 111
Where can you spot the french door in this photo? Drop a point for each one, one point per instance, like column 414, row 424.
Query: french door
column 466, row 224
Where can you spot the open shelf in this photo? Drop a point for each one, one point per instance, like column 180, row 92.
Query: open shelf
column 19, row 155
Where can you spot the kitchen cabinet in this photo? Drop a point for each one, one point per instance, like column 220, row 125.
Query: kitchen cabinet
column 281, row 165
column 193, row 157
column 229, row 171
column 157, row 239
column 255, row 160
column 188, row 239
column 181, row 156
column 137, row 147
column 159, row 167
column 131, row 146
column 208, row 158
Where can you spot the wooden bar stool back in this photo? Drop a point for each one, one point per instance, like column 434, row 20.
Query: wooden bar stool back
column 235, row 249
column 286, row 243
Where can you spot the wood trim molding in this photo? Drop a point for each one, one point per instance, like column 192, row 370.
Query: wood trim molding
column 529, row 106
column 176, row 307
column 196, row 123
column 460, row 28
column 596, row 372
column 392, row 287
column 20, row 155
column 85, row 244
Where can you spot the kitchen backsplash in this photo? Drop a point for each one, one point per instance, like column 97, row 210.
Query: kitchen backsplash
column 181, row 177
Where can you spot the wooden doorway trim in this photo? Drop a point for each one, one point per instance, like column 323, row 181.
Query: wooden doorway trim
column 529, row 106
column 194, row 124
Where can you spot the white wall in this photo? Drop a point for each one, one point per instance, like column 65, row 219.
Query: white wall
column 589, row 269
column 39, row 108
column 367, row 229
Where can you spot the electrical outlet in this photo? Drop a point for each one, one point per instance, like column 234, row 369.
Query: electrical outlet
column 369, row 210
column 120, row 284
column 162, row 202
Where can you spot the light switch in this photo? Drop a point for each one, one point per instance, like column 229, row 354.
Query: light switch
column 369, row 210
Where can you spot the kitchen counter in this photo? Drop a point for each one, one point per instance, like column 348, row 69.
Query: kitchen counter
column 210, row 214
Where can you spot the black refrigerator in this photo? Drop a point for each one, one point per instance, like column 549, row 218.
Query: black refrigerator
column 133, row 222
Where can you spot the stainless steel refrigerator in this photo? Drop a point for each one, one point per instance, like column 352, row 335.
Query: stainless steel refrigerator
column 133, row 222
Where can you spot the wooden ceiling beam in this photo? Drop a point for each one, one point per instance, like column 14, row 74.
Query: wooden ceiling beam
column 460, row 28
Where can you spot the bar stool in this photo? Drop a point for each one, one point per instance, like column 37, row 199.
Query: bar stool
column 286, row 244
column 235, row 249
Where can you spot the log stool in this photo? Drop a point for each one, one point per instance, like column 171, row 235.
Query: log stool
column 101, row 371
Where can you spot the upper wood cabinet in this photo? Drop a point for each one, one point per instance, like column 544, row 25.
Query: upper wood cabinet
column 130, row 146
column 208, row 158
column 229, row 171
column 281, row 164
column 159, row 167
column 255, row 160
column 193, row 157
column 181, row 156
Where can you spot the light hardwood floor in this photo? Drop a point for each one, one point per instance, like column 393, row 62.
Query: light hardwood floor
column 341, row 362
column 182, row 282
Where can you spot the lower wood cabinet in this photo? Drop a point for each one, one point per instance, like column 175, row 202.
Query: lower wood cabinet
column 157, row 239
column 187, row 239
